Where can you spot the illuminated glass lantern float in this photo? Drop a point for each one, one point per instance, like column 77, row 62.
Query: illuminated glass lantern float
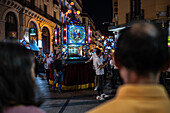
column 73, row 35
column 108, row 45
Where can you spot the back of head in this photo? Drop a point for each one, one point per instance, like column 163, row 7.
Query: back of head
column 98, row 51
column 16, row 80
column 142, row 48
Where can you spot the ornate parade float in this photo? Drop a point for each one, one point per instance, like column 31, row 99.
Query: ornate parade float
column 75, row 40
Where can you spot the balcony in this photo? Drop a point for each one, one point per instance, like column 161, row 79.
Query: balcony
column 31, row 6
column 79, row 3
column 56, row 2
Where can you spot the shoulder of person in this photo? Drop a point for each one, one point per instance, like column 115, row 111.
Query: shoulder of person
column 23, row 109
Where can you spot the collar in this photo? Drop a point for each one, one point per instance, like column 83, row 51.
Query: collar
column 142, row 91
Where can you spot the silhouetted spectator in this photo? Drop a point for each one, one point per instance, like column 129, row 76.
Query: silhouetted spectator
column 141, row 55
column 17, row 84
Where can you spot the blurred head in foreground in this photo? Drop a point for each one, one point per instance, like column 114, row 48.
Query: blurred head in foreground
column 16, row 76
column 142, row 53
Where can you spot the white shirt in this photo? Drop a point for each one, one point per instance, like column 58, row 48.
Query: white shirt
column 97, row 62
column 93, row 57
column 111, row 63
column 48, row 62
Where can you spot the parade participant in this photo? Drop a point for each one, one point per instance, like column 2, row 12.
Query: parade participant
column 141, row 55
column 58, row 72
column 99, row 67
column 47, row 62
column 17, row 84
column 93, row 57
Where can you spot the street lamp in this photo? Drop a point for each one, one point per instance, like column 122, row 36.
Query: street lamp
column 102, row 37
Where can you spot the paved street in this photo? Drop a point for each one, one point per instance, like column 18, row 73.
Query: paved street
column 78, row 101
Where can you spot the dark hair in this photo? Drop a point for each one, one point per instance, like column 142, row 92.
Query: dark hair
column 16, row 80
column 142, row 48
column 98, row 51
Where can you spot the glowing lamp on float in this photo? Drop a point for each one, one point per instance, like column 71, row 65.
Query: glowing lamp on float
column 78, row 12
column 69, row 11
column 72, row 3
column 66, row 13
column 102, row 37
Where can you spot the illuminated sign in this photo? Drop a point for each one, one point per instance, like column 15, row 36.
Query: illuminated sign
column 89, row 35
column 76, row 34
column 56, row 36
column 32, row 38
column 32, row 32
column 108, row 44
column 13, row 34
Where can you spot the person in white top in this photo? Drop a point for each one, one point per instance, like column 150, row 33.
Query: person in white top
column 47, row 62
column 99, row 68
column 93, row 57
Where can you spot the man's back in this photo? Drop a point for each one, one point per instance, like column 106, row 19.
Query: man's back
column 137, row 99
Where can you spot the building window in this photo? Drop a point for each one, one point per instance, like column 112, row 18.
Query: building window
column 116, row 9
column 11, row 26
column 32, row 2
column 84, row 21
column 168, row 11
column 45, row 9
column 11, row 19
column 115, row 3
column 127, row 17
column 54, row 14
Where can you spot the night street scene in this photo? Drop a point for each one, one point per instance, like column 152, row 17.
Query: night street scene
column 84, row 56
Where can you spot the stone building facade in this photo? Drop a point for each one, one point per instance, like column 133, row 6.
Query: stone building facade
column 36, row 21
column 129, row 10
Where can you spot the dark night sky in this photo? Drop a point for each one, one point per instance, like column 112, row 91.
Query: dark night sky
column 100, row 11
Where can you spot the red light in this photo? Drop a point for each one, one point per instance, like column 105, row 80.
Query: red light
column 65, row 38
column 75, row 13
column 65, row 29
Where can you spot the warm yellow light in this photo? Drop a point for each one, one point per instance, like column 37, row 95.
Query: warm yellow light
column 102, row 37
column 69, row 11
column 72, row 3
column 113, row 50
column 78, row 12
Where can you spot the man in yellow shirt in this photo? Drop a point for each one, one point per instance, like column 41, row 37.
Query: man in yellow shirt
column 141, row 55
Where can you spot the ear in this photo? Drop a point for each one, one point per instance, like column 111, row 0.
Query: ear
column 167, row 66
column 115, row 60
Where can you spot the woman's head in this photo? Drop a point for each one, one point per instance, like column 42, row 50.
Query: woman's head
column 16, row 75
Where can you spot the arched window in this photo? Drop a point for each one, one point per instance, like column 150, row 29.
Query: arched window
column 33, row 31
column 11, row 26
column 46, row 40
